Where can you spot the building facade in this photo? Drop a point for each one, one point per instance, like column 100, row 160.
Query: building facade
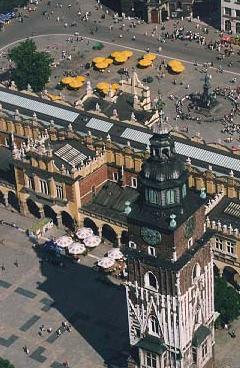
column 40, row 183
column 230, row 16
column 170, row 266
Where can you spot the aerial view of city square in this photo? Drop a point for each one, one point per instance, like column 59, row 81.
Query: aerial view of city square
column 120, row 183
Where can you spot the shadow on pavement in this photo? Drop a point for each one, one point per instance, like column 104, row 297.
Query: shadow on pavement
column 93, row 306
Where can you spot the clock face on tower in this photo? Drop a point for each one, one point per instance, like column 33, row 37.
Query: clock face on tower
column 150, row 236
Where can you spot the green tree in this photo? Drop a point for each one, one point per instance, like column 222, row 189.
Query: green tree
column 5, row 363
column 31, row 66
column 7, row 5
column 227, row 301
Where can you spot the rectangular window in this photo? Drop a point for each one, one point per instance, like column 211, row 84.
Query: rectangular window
column 133, row 182
column 44, row 187
column 228, row 11
column 153, row 196
column 238, row 13
column 219, row 244
column 59, row 190
column 115, row 176
column 170, row 196
column 152, row 251
column 30, row 183
column 230, row 247
column 204, row 349
column 151, row 360
column 93, row 190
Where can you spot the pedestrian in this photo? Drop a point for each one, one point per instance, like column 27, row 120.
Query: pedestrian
column 65, row 364
column 59, row 332
column 16, row 263
column 3, row 267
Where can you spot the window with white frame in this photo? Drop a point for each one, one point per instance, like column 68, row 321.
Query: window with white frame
column 230, row 247
column 44, row 186
column 115, row 176
column 150, row 360
column 204, row 349
column 153, row 326
column 133, row 182
column 131, row 244
column 219, row 244
column 30, row 182
column 59, row 191
column 152, row 251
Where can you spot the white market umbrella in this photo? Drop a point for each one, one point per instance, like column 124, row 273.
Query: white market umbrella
column 77, row 248
column 92, row 241
column 106, row 262
column 115, row 253
column 84, row 232
column 64, row 241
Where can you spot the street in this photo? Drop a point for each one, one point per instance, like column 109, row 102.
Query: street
column 38, row 24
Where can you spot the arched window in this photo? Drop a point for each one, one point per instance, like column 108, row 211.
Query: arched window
column 170, row 197
column 196, row 271
column 153, row 325
column 150, row 281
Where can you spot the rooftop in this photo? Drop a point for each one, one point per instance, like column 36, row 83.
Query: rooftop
column 120, row 132
column 227, row 212
column 110, row 202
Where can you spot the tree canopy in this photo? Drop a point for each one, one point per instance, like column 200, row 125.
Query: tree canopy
column 4, row 363
column 31, row 66
column 227, row 301
column 7, row 5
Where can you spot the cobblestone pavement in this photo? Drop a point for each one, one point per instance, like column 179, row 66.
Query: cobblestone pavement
column 35, row 293
column 227, row 353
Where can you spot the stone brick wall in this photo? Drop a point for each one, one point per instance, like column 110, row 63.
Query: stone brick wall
column 95, row 180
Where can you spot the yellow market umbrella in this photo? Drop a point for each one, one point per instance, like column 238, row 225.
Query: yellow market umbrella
column 115, row 86
column 145, row 63
column 98, row 59
column 80, row 78
column 103, row 85
column 67, row 80
column 115, row 54
column 120, row 59
column 150, row 56
column 102, row 65
column 176, row 66
column 109, row 61
column 127, row 53
column 75, row 84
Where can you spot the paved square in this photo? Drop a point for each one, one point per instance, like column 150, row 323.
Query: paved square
column 38, row 293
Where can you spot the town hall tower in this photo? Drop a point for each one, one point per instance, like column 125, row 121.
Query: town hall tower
column 170, row 268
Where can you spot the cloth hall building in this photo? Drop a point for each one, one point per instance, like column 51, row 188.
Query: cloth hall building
column 74, row 166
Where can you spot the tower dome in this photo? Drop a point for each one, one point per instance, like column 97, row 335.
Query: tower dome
column 162, row 180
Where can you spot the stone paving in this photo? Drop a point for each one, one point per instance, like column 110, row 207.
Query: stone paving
column 37, row 293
